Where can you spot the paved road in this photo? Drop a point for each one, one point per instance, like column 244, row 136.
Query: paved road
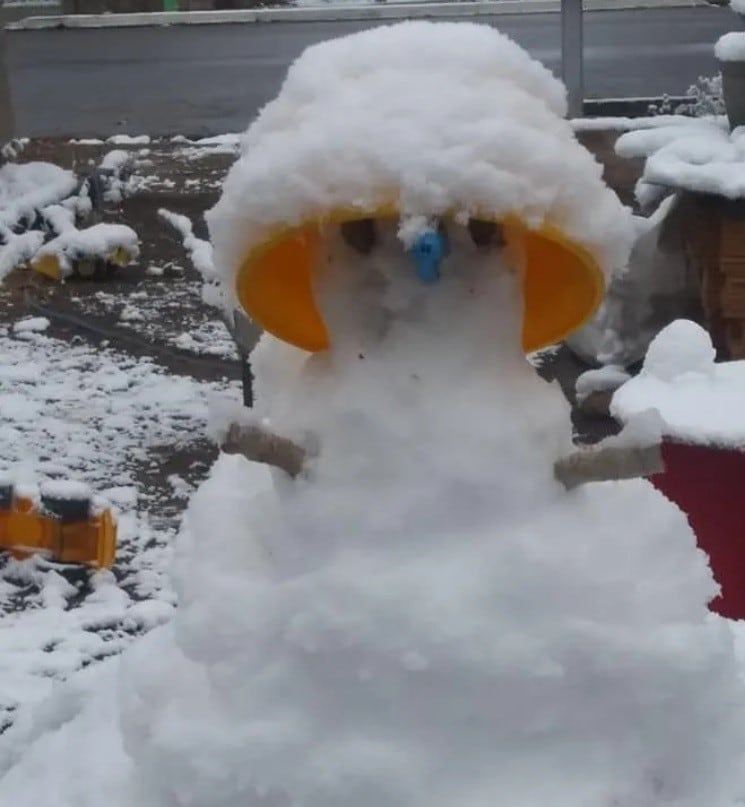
column 212, row 78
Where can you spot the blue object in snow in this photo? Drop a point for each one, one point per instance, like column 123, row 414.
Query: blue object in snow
column 428, row 251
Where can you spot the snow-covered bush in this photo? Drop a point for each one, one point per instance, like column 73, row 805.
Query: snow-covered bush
column 702, row 99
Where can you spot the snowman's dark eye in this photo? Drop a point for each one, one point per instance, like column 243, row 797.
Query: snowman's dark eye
column 485, row 233
column 360, row 235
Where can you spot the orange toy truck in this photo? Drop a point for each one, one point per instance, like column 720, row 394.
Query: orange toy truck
column 62, row 523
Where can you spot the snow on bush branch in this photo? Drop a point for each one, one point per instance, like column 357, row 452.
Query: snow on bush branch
column 201, row 257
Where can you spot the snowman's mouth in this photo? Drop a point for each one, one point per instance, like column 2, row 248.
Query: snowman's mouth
column 562, row 284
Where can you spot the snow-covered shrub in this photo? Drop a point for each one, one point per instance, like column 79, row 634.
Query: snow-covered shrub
column 701, row 99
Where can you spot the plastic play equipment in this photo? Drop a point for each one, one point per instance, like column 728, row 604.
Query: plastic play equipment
column 72, row 239
column 84, row 264
column 66, row 529
column 562, row 282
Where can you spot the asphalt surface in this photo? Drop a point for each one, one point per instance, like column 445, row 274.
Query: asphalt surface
column 209, row 79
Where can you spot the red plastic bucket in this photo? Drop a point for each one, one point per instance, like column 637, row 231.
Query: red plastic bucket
column 708, row 484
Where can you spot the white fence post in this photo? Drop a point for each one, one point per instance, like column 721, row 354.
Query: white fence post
column 571, row 55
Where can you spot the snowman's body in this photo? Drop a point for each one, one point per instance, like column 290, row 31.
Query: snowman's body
column 426, row 618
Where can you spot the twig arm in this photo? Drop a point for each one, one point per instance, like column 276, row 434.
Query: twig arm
column 259, row 445
column 608, row 463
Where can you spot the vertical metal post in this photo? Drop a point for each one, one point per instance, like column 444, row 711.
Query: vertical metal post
column 6, row 107
column 571, row 55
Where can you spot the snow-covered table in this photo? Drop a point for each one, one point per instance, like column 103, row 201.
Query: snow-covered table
column 702, row 405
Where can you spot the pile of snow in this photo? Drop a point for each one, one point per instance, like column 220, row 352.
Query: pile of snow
column 228, row 144
column 426, row 117
column 42, row 196
column 26, row 188
column 59, row 218
column 128, row 140
column 66, row 489
column 34, row 324
column 699, row 401
column 604, row 379
column 643, row 141
column 731, row 47
column 114, row 160
column 643, row 429
column 703, row 157
column 201, row 255
column 683, row 347
column 14, row 148
column 96, row 770
column 99, row 241
column 18, row 250
column 114, row 169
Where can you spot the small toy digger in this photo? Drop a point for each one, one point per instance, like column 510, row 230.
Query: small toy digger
column 62, row 523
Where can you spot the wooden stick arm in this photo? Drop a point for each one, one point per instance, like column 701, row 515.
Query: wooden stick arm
column 259, row 445
column 604, row 463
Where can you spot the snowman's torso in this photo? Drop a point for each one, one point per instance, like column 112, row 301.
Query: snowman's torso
column 435, row 621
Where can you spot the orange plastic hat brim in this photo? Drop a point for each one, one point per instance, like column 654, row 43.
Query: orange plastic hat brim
column 562, row 285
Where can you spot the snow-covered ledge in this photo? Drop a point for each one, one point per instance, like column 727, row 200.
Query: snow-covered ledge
column 701, row 157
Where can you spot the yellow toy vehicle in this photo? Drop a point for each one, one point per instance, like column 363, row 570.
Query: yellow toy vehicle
column 62, row 523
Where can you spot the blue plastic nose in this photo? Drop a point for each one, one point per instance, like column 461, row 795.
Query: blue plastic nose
column 428, row 251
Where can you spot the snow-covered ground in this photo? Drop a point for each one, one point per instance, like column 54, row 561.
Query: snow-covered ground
column 166, row 313
column 74, row 411
column 125, row 424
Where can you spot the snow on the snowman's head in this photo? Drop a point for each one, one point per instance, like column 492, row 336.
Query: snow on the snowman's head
column 427, row 118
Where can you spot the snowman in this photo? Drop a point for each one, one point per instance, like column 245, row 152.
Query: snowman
column 418, row 613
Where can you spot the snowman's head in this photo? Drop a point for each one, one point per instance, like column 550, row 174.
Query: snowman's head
column 441, row 129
